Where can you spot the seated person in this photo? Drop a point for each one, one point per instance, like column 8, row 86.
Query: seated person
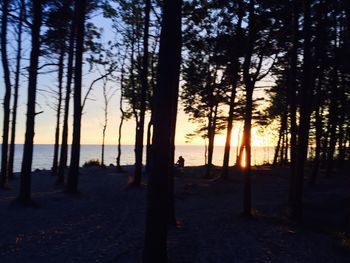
column 180, row 162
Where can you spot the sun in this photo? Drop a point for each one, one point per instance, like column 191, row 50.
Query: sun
column 259, row 138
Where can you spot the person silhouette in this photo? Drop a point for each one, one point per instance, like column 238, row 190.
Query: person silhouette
column 180, row 162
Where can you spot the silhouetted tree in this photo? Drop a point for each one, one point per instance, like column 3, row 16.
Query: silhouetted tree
column 69, row 79
column 143, row 97
column 165, row 96
column 234, row 74
column 19, row 32
column 305, row 111
column 73, row 176
column 26, row 169
column 7, row 98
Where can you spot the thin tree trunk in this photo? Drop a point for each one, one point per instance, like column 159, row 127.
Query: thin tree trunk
column 292, row 89
column 26, row 169
column 119, row 168
column 240, row 151
column 278, row 146
column 316, row 164
column 59, row 106
column 333, row 118
column 16, row 88
column 341, row 127
column 7, row 97
column 285, row 161
column 149, row 144
column 281, row 160
column 155, row 249
column 211, row 137
column 247, row 198
column 235, row 77
column 319, row 128
column 144, row 88
column 325, row 144
column 64, row 145
column 73, row 176
column 105, row 123
column 333, row 111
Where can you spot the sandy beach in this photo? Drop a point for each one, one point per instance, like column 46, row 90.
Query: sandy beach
column 105, row 223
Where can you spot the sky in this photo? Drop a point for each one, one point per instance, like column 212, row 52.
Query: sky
column 92, row 118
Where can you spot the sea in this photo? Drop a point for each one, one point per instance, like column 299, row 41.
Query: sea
column 194, row 155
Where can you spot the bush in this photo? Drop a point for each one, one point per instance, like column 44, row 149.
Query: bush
column 92, row 162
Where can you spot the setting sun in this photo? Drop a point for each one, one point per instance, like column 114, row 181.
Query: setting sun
column 260, row 138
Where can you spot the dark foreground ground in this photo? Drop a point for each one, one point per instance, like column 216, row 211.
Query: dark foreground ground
column 106, row 222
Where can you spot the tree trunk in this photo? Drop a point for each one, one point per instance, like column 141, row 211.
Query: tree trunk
column 333, row 111
column 247, row 198
column 58, row 117
column 26, row 169
column 149, row 145
column 144, row 88
column 7, row 98
column 64, row 145
column 278, row 146
column 167, row 82
column 73, row 176
column 282, row 148
column 211, row 138
column 249, row 88
column 119, row 168
column 171, row 175
column 285, row 160
column 333, row 118
column 235, row 77
column 316, row 164
column 16, row 88
column 292, row 89
column 303, row 133
column 105, row 123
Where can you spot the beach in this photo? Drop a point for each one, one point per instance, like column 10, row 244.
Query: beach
column 105, row 222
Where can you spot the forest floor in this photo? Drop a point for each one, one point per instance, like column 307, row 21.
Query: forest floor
column 105, row 223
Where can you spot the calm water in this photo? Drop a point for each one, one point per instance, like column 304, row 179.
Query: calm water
column 194, row 155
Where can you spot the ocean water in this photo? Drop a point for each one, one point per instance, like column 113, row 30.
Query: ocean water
column 193, row 154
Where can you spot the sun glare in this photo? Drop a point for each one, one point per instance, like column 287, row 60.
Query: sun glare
column 243, row 160
column 259, row 139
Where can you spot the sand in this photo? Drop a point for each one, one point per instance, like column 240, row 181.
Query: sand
column 105, row 223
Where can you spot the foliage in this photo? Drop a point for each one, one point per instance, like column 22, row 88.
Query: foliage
column 92, row 162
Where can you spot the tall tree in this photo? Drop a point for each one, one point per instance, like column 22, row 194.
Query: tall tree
column 235, row 66
column 22, row 8
column 69, row 77
column 59, row 106
column 73, row 176
column 26, row 169
column 304, row 122
column 205, row 71
column 260, row 47
column 165, row 96
column 7, row 98
column 143, row 97
column 292, row 91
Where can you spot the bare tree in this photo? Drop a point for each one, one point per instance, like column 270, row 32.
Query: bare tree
column 107, row 96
